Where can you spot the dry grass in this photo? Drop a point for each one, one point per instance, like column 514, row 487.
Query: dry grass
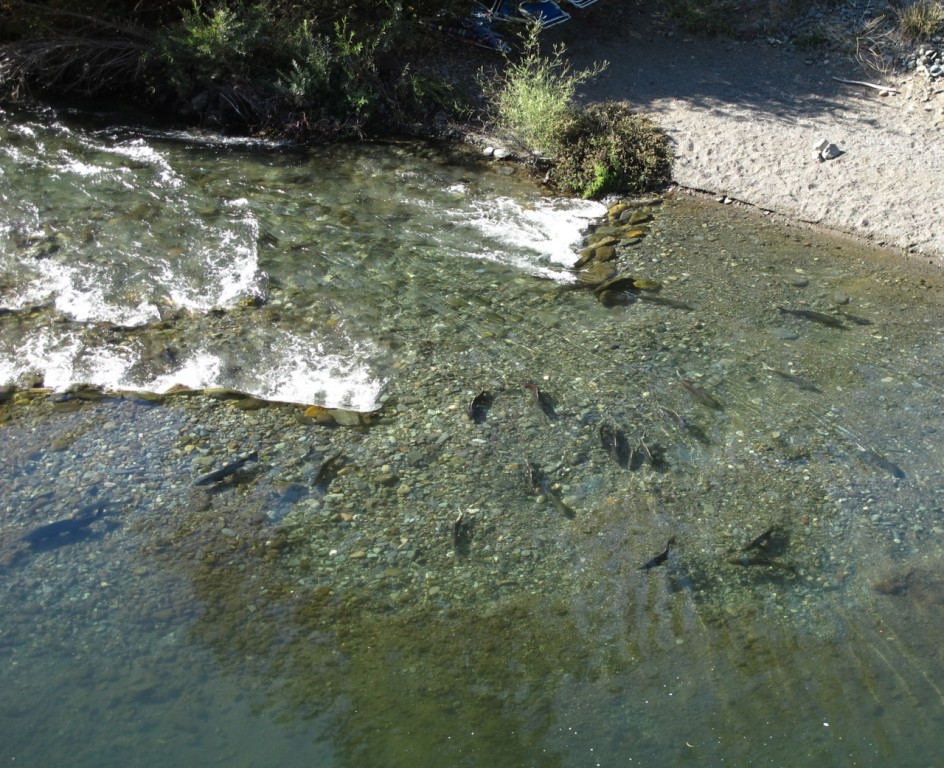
column 921, row 20
column 874, row 44
column 69, row 63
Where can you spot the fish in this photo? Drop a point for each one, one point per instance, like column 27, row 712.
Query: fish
column 542, row 400
column 542, row 486
column 699, row 394
column 663, row 301
column 68, row 528
column 817, row 317
column 760, row 541
column 226, row 470
column 478, row 408
column 327, row 471
column 856, row 320
column 640, row 455
column 761, row 551
column 877, row 460
column 801, row 383
column 659, row 559
column 462, row 533
column 614, row 442
column 615, row 298
column 747, row 560
column 618, row 284
column 693, row 429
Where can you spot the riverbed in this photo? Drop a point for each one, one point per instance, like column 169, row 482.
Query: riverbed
column 361, row 472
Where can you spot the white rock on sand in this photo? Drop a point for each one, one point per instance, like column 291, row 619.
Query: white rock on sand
column 743, row 117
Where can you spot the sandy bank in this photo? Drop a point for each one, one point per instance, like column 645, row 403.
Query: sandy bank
column 744, row 118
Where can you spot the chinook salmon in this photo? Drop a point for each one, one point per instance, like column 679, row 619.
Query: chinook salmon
column 877, row 460
column 747, row 560
column 663, row 301
column 226, row 470
column 797, row 381
column 542, row 400
column 613, row 441
column 663, row 556
column 541, row 486
column 817, row 317
column 699, row 394
column 478, row 408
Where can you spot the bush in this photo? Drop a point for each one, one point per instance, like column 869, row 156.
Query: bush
column 535, row 94
column 921, row 20
column 609, row 149
column 206, row 47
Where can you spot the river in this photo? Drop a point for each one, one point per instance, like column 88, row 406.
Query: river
column 481, row 516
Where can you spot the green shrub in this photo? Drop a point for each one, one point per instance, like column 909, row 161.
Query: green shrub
column 535, row 93
column 309, row 73
column 211, row 46
column 609, row 149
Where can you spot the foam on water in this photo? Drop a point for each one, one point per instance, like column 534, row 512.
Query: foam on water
column 139, row 151
column 540, row 237
column 80, row 294
column 116, row 227
column 229, row 265
column 290, row 375
column 332, row 380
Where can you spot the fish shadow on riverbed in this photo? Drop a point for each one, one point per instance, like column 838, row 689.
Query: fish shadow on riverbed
column 66, row 539
column 71, row 530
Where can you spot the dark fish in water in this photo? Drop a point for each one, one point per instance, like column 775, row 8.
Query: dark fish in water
column 664, row 301
column 640, row 456
column 68, row 528
column 856, row 320
column 801, row 383
column 615, row 298
column 462, row 533
column 747, row 560
column 225, row 471
column 542, row 400
column 614, row 442
column 693, row 429
column 327, row 471
column 699, row 394
column 618, row 284
column 541, row 486
column 478, row 408
column 769, row 541
column 877, row 460
column 760, row 541
column 762, row 550
column 817, row 317
column 659, row 559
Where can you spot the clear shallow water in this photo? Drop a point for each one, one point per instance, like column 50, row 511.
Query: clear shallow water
column 108, row 227
column 341, row 623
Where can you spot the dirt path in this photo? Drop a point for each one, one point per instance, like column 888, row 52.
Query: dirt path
column 744, row 118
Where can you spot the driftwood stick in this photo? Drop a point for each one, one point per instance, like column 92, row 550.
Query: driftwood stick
column 867, row 85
